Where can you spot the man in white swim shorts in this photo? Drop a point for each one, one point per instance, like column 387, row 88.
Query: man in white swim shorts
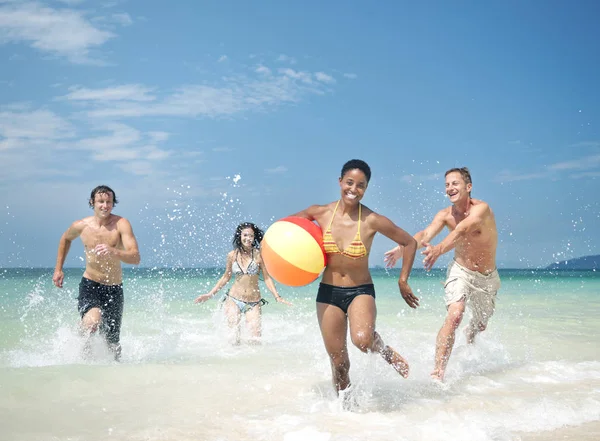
column 472, row 278
column 477, row 289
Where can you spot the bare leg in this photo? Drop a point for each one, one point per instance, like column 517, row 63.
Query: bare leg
column 483, row 309
column 334, row 327
column 445, row 339
column 90, row 323
column 233, row 316
column 393, row 358
column 254, row 323
column 361, row 315
column 473, row 329
column 115, row 348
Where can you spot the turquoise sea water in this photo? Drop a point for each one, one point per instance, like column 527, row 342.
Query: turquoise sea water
column 534, row 373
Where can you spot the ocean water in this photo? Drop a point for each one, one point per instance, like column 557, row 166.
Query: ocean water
column 533, row 375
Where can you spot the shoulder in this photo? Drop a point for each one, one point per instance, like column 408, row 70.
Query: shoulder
column 318, row 212
column 79, row 225
column 444, row 213
column 321, row 209
column 481, row 206
column 368, row 214
column 371, row 217
column 123, row 225
column 479, row 202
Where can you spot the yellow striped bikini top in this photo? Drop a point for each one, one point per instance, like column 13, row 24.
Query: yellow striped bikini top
column 355, row 250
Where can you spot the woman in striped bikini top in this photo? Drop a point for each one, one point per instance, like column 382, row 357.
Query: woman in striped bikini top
column 355, row 250
column 346, row 295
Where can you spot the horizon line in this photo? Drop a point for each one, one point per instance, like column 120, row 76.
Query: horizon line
column 131, row 267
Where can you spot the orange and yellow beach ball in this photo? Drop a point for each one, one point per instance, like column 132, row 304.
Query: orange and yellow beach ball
column 292, row 250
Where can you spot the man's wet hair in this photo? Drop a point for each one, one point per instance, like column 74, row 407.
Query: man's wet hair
column 237, row 237
column 357, row 164
column 102, row 189
column 464, row 172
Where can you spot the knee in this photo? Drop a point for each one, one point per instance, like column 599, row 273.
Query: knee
column 454, row 318
column 363, row 341
column 90, row 324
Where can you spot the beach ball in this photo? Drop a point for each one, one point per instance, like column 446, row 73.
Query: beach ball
column 292, row 250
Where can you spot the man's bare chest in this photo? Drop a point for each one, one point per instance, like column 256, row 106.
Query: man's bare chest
column 471, row 234
column 95, row 236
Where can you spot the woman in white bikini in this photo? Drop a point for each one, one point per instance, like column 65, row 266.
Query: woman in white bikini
column 243, row 298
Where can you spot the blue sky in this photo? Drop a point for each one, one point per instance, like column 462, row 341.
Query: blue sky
column 204, row 114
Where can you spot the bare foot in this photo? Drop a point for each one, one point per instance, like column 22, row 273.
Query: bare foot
column 348, row 398
column 115, row 348
column 396, row 360
column 437, row 375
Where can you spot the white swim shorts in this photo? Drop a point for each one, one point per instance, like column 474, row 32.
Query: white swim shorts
column 478, row 290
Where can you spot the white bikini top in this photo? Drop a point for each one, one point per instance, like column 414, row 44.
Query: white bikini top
column 252, row 270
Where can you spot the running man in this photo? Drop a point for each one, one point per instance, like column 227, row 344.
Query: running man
column 472, row 277
column 108, row 240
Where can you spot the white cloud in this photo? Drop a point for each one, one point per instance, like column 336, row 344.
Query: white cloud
column 31, row 167
column 149, row 153
column 121, row 136
column 263, row 70
column 582, row 168
column 305, row 77
column 140, row 168
column 115, row 154
column 123, row 18
column 158, row 136
column 11, row 143
column 324, row 78
column 126, row 92
column 277, row 170
column 222, row 58
column 234, row 95
column 63, row 32
column 589, row 174
column 130, row 149
column 577, row 164
column 40, row 125
column 31, row 143
column 286, row 59
column 222, row 149
column 586, row 144
column 124, row 143
column 351, row 76
column 192, row 154
column 508, row 176
column 155, row 154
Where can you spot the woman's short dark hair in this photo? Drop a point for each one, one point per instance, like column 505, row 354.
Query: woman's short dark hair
column 357, row 164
